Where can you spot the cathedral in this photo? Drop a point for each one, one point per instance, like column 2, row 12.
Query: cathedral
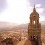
column 34, row 27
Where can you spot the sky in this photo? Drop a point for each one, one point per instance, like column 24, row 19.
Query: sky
column 18, row 11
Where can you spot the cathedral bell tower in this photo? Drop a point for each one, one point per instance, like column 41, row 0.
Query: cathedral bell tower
column 34, row 27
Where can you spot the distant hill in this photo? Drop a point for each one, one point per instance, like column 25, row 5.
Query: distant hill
column 6, row 25
column 25, row 26
column 13, row 26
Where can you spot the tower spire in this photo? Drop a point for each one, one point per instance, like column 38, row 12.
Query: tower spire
column 34, row 10
column 34, row 3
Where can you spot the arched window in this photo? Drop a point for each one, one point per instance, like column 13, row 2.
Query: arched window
column 34, row 22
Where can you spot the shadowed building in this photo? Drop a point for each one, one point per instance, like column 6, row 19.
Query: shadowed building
column 34, row 28
column 7, row 41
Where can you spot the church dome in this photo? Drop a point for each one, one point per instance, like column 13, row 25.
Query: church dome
column 34, row 12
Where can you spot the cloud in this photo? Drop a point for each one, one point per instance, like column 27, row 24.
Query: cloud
column 18, row 11
column 39, row 8
column 38, row 5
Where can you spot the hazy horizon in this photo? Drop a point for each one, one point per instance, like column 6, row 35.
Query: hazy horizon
column 13, row 25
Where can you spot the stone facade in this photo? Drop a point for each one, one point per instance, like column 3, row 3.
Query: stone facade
column 34, row 27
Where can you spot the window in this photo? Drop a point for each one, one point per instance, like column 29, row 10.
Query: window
column 34, row 22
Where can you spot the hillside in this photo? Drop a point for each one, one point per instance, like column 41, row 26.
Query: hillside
column 13, row 26
column 25, row 26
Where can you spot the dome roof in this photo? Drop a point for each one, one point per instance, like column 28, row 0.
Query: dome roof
column 34, row 11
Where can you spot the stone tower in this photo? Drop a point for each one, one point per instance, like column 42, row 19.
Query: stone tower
column 34, row 27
